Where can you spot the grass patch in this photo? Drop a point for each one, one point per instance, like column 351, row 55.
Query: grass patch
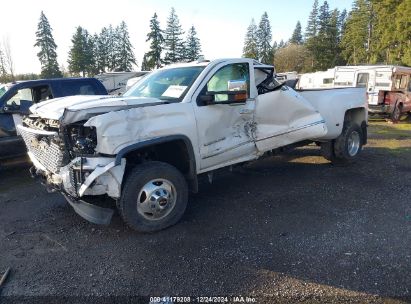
column 383, row 129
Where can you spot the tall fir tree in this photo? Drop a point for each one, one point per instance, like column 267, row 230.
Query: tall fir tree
column 173, row 41
column 112, row 39
column 354, row 42
column 152, row 59
column 264, row 36
column 81, row 60
column 102, row 46
column 124, row 49
column 250, row 49
column 47, row 54
column 403, row 32
column 145, row 65
column 297, row 37
column 192, row 45
column 312, row 24
column 384, row 42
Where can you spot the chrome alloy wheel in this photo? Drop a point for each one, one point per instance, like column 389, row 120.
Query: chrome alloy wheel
column 156, row 199
column 354, row 142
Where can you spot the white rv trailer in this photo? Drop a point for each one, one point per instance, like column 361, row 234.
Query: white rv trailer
column 114, row 82
column 317, row 80
column 375, row 78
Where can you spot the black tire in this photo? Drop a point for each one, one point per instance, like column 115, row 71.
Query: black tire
column 135, row 189
column 396, row 114
column 340, row 151
column 327, row 150
column 341, row 144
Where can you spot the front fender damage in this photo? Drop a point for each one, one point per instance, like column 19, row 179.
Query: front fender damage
column 93, row 176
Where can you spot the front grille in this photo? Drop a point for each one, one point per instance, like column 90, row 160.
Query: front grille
column 44, row 149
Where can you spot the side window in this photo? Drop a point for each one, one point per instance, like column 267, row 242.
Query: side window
column 409, row 85
column 225, row 80
column 22, row 94
column 362, row 80
column 71, row 88
column 41, row 93
column 400, row 82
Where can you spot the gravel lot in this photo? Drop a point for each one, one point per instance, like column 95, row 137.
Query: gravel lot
column 289, row 228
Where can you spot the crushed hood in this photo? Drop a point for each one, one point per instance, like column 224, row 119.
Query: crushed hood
column 75, row 108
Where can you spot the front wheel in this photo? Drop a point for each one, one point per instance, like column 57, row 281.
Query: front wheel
column 346, row 147
column 154, row 197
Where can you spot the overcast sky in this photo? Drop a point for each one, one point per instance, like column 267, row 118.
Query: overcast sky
column 221, row 25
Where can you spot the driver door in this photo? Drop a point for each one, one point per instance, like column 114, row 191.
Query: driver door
column 224, row 124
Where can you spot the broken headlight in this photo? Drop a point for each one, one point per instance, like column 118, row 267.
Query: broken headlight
column 83, row 139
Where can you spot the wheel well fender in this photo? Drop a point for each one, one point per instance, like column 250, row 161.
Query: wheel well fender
column 359, row 117
column 176, row 150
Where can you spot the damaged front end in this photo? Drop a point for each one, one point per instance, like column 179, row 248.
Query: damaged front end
column 64, row 157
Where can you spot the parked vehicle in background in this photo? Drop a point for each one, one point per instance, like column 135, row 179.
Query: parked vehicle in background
column 316, row 80
column 116, row 82
column 17, row 97
column 133, row 81
column 388, row 86
column 286, row 76
column 146, row 148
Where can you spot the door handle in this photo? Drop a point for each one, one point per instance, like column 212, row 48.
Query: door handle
column 246, row 111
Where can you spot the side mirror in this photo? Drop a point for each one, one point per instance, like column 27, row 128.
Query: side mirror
column 22, row 108
column 207, row 99
column 237, row 85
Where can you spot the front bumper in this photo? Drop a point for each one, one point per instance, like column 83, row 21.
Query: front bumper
column 84, row 176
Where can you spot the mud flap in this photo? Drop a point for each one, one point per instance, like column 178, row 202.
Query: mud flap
column 92, row 213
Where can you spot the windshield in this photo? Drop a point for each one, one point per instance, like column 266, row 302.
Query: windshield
column 168, row 84
column 3, row 90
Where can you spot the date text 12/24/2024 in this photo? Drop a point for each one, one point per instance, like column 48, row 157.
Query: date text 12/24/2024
column 206, row 299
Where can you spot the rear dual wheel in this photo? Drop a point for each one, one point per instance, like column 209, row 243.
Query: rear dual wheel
column 346, row 147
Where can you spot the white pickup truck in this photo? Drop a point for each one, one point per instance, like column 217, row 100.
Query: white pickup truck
column 146, row 149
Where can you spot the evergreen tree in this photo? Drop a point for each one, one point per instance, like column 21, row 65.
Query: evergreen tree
column 356, row 34
column 102, row 50
column 152, row 59
column 312, row 24
column 112, row 39
column 326, row 39
column 264, row 37
column 341, row 23
column 124, row 49
column 173, row 43
column 81, row 59
column 47, row 54
column 192, row 45
column 145, row 64
column 250, row 49
column 403, row 32
column 297, row 37
column 383, row 36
